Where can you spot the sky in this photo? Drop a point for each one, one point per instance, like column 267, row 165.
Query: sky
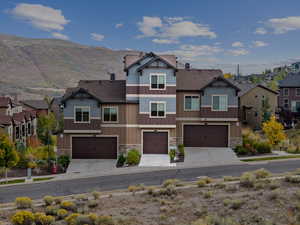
column 257, row 34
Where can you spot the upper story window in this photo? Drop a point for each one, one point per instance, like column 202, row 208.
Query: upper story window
column 158, row 81
column 82, row 114
column 17, row 132
column 110, row 114
column 219, row 102
column 191, row 102
column 158, row 109
column 297, row 91
column 286, row 103
column 285, row 92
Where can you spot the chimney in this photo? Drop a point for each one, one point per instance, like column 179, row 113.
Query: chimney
column 187, row 66
column 112, row 76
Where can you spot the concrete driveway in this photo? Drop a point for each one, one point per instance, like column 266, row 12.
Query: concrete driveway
column 210, row 157
column 88, row 166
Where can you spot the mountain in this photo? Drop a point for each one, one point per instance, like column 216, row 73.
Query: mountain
column 32, row 68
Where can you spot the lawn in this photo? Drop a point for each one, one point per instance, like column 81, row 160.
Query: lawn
column 254, row 201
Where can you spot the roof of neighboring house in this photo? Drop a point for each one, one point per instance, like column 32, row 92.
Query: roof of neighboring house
column 195, row 79
column 35, row 104
column 291, row 80
column 5, row 101
column 130, row 60
column 246, row 87
column 105, row 91
column 19, row 117
column 5, row 120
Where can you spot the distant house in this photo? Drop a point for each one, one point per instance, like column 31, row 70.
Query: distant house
column 295, row 67
column 40, row 106
column 252, row 100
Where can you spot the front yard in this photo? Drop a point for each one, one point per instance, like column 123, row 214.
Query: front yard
column 253, row 200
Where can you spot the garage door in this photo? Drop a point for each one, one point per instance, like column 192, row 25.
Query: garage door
column 205, row 136
column 155, row 143
column 94, row 147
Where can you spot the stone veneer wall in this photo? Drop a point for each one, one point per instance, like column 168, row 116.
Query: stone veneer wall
column 235, row 141
column 123, row 148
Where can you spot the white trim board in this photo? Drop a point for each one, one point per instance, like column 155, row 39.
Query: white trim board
column 206, row 119
column 139, row 125
column 82, row 131
column 151, row 95
column 147, row 85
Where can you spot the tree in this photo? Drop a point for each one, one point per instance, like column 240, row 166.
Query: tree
column 266, row 110
column 8, row 155
column 274, row 131
column 273, row 85
column 228, row 75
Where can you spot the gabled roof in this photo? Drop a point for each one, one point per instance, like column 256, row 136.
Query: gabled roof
column 291, row 80
column 246, row 87
column 104, row 91
column 5, row 102
column 221, row 78
column 195, row 79
column 156, row 58
column 5, row 120
column 35, row 104
column 131, row 60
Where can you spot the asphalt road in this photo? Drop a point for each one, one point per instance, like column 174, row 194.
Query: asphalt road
column 83, row 185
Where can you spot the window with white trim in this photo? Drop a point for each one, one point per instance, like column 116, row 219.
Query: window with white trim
column 82, row 114
column 158, row 109
column 285, row 92
column 110, row 114
column 219, row 102
column 158, row 81
column 286, row 103
column 297, row 91
column 191, row 103
column 295, row 106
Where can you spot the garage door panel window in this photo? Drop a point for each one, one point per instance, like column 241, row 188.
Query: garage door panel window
column 219, row 103
column 192, row 103
column 110, row 114
column 82, row 114
column 158, row 109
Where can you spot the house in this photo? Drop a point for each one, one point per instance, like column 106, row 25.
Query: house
column 40, row 106
column 18, row 123
column 289, row 97
column 253, row 98
column 156, row 108
column 295, row 67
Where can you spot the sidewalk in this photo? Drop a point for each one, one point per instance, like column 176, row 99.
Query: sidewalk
column 274, row 154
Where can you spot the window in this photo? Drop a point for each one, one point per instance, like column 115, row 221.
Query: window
column 82, row 114
column 17, row 132
column 29, row 129
column 23, row 130
column 285, row 92
column 110, row 114
column 192, row 103
column 295, row 106
column 286, row 103
column 219, row 103
column 158, row 109
column 158, row 81
column 298, row 91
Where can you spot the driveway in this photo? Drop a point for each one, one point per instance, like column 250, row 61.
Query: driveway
column 155, row 160
column 88, row 166
column 195, row 157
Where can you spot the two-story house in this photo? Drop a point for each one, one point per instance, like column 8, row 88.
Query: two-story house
column 156, row 108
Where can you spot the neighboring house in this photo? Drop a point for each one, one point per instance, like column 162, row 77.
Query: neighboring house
column 156, row 108
column 295, row 67
column 289, row 97
column 252, row 100
column 19, row 124
column 40, row 106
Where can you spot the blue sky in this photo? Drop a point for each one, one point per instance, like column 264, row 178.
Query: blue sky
column 256, row 34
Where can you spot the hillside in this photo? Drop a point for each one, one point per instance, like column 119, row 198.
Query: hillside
column 34, row 67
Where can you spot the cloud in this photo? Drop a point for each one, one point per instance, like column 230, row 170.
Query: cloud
column 237, row 44
column 261, row 31
column 258, row 44
column 41, row 17
column 148, row 26
column 60, row 36
column 238, row 52
column 285, row 24
column 118, row 25
column 173, row 28
column 164, row 41
column 97, row 37
column 193, row 53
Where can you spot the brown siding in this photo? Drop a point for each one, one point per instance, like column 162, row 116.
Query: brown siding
column 292, row 96
column 208, row 113
column 94, row 124
column 145, row 119
column 132, row 111
column 146, row 90
column 119, row 131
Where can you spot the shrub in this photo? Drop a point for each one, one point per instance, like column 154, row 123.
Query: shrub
column 292, row 179
column 168, row 191
column 72, row 218
column 64, row 161
column 226, row 202
column 273, row 195
column 169, row 182
column 58, row 200
column 208, row 194
column 172, row 154
column 92, row 204
column 231, row 188
column 261, row 173
column 236, row 204
column 247, row 180
column 201, row 183
column 133, row 157
column 96, row 194
column 67, row 205
column 62, row 213
column 121, row 160
column 42, row 219
column 241, row 150
column 151, row 190
column 84, row 219
column 51, row 210
column 105, row 220
column 230, row 178
column 22, row 218
column 23, row 202
column 274, row 184
column 48, row 200
column 263, row 147
column 181, row 149
column 81, row 197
